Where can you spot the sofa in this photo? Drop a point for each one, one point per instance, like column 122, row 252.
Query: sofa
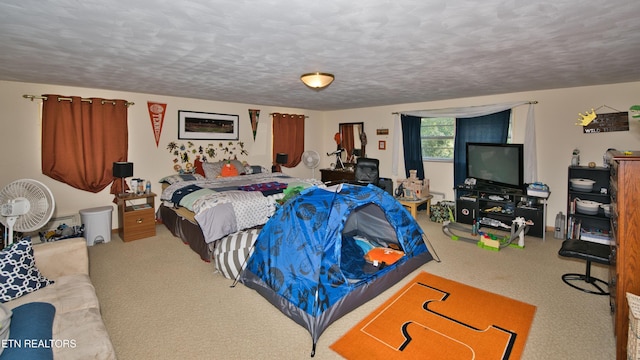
column 77, row 324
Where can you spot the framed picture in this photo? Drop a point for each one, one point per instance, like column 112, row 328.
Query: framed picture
column 382, row 145
column 194, row 125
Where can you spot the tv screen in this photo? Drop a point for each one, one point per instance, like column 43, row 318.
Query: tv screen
column 496, row 164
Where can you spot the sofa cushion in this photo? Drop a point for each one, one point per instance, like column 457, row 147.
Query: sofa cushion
column 77, row 318
column 5, row 323
column 31, row 332
column 18, row 272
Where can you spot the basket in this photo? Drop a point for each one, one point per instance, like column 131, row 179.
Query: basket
column 633, row 338
column 441, row 211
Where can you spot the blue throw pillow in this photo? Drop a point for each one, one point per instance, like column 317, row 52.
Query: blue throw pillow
column 30, row 333
column 18, row 272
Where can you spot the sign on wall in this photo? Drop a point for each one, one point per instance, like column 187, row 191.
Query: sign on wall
column 618, row 121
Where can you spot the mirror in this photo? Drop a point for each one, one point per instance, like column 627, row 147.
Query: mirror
column 352, row 136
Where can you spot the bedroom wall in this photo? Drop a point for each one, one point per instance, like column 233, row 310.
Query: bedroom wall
column 20, row 138
column 556, row 113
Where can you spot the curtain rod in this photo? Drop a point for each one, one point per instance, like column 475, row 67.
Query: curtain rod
column 33, row 97
column 271, row 114
column 532, row 102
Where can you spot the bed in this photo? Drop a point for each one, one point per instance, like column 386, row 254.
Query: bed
column 203, row 209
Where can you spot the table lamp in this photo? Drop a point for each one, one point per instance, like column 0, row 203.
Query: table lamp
column 281, row 159
column 122, row 170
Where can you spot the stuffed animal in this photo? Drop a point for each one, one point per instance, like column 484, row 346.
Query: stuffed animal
column 228, row 169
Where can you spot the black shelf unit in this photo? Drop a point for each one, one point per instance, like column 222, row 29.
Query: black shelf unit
column 502, row 204
column 598, row 223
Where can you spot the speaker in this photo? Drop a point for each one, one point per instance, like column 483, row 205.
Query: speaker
column 386, row 184
column 465, row 211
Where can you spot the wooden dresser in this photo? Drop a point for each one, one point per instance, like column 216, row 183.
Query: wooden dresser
column 337, row 176
column 625, row 252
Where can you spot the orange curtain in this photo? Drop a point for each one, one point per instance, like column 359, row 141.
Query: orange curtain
column 288, row 137
column 347, row 139
column 81, row 139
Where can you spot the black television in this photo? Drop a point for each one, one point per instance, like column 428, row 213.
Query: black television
column 496, row 165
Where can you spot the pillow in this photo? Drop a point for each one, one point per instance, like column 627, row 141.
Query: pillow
column 238, row 165
column 172, row 179
column 212, row 170
column 18, row 272
column 31, row 332
column 364, row 244
column 256, row 169
column 379, row 255
column 229, row 170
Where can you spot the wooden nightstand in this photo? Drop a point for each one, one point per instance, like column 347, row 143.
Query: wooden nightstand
column 136, row 219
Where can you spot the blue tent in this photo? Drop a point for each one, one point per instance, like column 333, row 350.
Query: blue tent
column 308, row 260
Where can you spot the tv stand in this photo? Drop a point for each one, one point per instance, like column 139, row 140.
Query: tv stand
column 496, row 189
column 502, row 204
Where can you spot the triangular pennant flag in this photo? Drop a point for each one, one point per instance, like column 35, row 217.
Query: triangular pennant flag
column 254, row 114
column 156, row 114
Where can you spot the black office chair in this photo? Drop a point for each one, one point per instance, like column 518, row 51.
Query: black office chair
column 367, row 171
column 590, row 252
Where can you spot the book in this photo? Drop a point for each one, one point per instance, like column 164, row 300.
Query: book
column 595, row 236
column 141, row 206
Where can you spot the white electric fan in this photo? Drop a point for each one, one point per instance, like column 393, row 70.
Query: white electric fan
column 311, row 159
column 25, row 205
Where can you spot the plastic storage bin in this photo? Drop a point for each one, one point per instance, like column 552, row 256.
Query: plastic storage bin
column 97, row 224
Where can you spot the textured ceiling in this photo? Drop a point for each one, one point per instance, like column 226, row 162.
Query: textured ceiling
column 381, row 52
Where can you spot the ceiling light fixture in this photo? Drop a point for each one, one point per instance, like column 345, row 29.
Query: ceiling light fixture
column 317, row 80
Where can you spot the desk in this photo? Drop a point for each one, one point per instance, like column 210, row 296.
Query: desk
column 412, row 205
column 337, row 176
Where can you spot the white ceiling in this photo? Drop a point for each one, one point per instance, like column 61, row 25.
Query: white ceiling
column 381, row 52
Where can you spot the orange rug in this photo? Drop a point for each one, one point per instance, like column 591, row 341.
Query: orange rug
column 435, row 318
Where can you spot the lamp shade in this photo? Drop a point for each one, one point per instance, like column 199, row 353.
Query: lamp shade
column 282, row 158
column 122, row 169
column 317, row 80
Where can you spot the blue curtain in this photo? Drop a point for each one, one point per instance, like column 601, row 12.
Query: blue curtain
column 412, row 145
column 492, row 128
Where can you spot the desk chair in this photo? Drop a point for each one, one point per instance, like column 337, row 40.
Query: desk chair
column 367, row 171
column 590, row 252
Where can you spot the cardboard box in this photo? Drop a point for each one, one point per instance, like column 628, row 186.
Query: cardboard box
column 414, row 188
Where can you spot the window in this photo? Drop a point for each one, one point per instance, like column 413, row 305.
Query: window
column 438, row 137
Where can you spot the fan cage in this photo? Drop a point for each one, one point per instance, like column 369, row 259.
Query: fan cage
column 313, row 155
column 40, row 200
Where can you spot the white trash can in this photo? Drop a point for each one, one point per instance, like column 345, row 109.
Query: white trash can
column 97, row 224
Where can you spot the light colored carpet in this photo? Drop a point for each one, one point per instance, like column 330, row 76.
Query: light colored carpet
column 160, row 301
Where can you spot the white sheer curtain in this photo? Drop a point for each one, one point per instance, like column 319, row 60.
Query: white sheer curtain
column 530, row 157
